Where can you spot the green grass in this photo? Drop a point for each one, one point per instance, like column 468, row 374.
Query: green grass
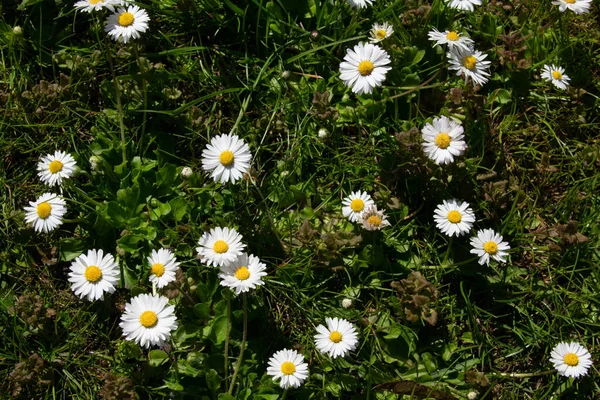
column 268, row 71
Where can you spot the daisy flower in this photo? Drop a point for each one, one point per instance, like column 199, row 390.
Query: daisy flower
column 373, row 220
column 556, row 75
column 444, row 140
column 243, row 274
column 93, row 274
column 359, row 3
column 571, row 359
column 469, row 63
column 46, row 213
column 454, row 218
column 380, row 32
column 52, row 169
column 337, row 339
column 148, row 320
column 220, row 246
column 489, row 244
column 364, row 67
column 227, row 157
column 465, row 5
column 95, row 5
column 577, row 6
column 354, row 205
column 127, row 23
column 451, row 38
column 289, row 366
column 163, row 266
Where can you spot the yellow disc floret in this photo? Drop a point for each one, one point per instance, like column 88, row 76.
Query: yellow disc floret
column 158, row 269
column 288, row 368
column 490, row 247
column 126, row 19
column 220, row 247
column 365, row 67
column 453, row 36
column 92, row 274
column 96, row 1
column 469, row 62
column 357, row 205
column 381, row 34
column 374, row 220
column 556, row 75
column 571, row 359
column 44, row 209
column 454, row 217
column 242, row 273
column 148, row 319
column 442, row 140
column 226, row 158
column 571, row 1
column 55, row 166
column 335, row 337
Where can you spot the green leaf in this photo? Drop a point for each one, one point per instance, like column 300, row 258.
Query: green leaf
column 213, row 381
column 157, row 358
column 179, row 208
column 130, row 242
column 70, row 249
column 218, row 329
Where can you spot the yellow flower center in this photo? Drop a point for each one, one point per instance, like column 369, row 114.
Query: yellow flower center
column 469, row 62
column 442, row 140
column 490, row 247
column 96, row 1
column 158, row 269
column 148, row 319
column 571, row 1
column 242, row 273
column 43, row 210
column 365, row 68
column 454, row 217
column 556, row 75
column 381, row 34
column 571, row 359
column 288, row 368
column 374, row 220
column 335, row 337
column 226, row 158
column 55, row 166
column 126, row 19
column 357, row 205
column 92, row 274
column 453, row 36
column 220, row 247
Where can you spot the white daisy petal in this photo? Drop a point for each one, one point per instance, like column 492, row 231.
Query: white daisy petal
column 443, row 140
column 243, row 274
column 148, row 320
column 337, row 339
column 453, row 218
column 354, row 205
column 381, row 32
column 556, row 75
column 220, row 246
column 488, row 244
column 470, row 63
column 163, row 267
column 451, row 38
column 571, row 359
column 93, row 275
column 46, row 213
column 288, row 365
column 373, row 219
column 577, row 6
column 127, row 23
column 227, row 157
column 364, row 67
column 465, row 5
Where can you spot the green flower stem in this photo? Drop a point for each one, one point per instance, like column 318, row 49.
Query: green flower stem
column 243, row 346
column 524, row 374
column 118, row 96
column 226, row 352
column 144, row 90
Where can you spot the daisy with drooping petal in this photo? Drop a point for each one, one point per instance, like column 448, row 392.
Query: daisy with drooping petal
column 46, row 213
column 163, row 266
column 465, row 5
column 148, row 320
column 380, row 32
column 95, row 5
column 451, row 38
column 359, row 3
column 571, row 359
column 444, row 140
column 220, row 246
column 227, row 157
column 52, row 169
column 556, row 75
column 454, row 218
column 364, row 67
column 470, row 63
column 289, row 366
column 577, row 6
column 488, row 244
column 93, row 274
column 373, row 219
column 354, row 205
column 337, row 339
column 127, row 23
column 243, row 274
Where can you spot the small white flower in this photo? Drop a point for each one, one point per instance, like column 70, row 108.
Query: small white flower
column 571, row 359
column 465, row 5
column 148, row 320
column 186, row 172
column 556, row 75
column 354, row 205
column 337, row 339
column 127, row 23
column 364, row 68
column 373, row 219
column 244, row 274
column 454, row 218
column 17, row 30
column 347, row 303
column 52, row 169
column 323, row 133
column 451, row 38
column 380, row 32
column 220, row 246
column 488, row 244
column 163, row 267
column 93, row 274
column 473, row 395
column 577, row 6
column 95, row 5
column 45, row 214
column 359, row 3
column 227, row 157
column 444, row 140
column 289, row 366
column 469, row 63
